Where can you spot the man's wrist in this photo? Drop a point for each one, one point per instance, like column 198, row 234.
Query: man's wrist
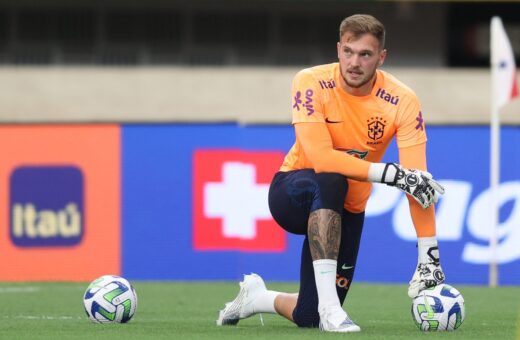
column 376, row 171
column 427, row 249
column 383, row 173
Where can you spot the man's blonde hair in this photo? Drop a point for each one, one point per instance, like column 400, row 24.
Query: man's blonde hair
column 359, row 24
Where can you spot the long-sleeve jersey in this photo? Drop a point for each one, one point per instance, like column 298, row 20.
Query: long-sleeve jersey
column 360, row 126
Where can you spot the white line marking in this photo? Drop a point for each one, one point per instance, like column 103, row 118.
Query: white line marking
column 14, row 289
column 42, row 317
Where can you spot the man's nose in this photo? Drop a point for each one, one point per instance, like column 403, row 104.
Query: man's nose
column 354, row 60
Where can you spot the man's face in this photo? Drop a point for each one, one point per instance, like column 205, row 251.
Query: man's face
column 359, row 58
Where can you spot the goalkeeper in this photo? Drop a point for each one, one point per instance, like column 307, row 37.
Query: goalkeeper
column 345, row 115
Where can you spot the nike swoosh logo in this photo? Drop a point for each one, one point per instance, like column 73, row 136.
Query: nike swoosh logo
column 333, row 121
column 327, row 271
column 346, row 267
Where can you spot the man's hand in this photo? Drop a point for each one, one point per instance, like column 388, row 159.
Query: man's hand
column 416, row 183
column 426, row 275
column 428, row 272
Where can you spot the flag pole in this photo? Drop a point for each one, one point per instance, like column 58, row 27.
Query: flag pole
column 504, row 88
column 494, row 181
column 494, row 170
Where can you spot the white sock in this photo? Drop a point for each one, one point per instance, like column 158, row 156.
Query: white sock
column 325, row 276
column 423, row 245
column 265, row 302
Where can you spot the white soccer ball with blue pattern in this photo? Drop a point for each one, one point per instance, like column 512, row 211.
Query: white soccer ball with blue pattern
column 439, row 308
column 110, row 299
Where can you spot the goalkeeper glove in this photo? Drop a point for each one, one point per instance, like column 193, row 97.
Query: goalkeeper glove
column 416, row 183
column 429, row 271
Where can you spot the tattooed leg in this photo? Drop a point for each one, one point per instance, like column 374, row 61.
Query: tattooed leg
column 324, row 233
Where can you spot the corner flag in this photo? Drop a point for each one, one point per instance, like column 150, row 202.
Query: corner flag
column 504, row 88
column 503, row 69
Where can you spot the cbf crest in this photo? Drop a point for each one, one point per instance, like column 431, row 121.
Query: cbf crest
column 376, row 128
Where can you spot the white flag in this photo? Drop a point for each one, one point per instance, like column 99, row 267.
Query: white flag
column 503, row 68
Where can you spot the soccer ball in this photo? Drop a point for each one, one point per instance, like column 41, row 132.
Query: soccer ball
column 110, row 299
column 439, row 308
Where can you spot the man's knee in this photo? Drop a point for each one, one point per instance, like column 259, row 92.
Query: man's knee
column 332, row 179
column 332, row 190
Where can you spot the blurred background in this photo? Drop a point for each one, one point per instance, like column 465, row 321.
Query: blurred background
column 148, row 132
column 142, row 60
column 236, row 33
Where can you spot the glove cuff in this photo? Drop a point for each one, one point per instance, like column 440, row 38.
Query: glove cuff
column 383, row 173
column 428, row 250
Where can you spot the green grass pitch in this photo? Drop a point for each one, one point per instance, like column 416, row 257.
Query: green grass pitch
column 188, row 310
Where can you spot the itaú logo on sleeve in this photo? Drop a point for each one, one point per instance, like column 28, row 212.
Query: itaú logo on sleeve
column 456, row 210
column 46, row 204
column 230, row 201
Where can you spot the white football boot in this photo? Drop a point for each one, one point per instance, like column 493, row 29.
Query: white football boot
column 335, row 319
column 242, row 306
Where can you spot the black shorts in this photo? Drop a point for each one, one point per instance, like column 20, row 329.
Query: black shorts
column 293, row 196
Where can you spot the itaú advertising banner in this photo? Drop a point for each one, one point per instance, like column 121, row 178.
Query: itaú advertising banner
column 59, row 202
column 194, row 206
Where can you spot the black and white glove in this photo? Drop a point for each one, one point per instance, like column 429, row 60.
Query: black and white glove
column 416, row 183
column 429, row 271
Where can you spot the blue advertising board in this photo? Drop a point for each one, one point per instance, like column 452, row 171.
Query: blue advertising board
column 194, row 206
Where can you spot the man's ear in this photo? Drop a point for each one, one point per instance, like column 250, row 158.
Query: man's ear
column 382, row 58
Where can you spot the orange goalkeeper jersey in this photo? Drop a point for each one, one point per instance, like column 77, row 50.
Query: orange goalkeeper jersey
column 362, row 127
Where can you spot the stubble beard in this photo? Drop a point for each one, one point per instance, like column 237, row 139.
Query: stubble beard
column 357, row 85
